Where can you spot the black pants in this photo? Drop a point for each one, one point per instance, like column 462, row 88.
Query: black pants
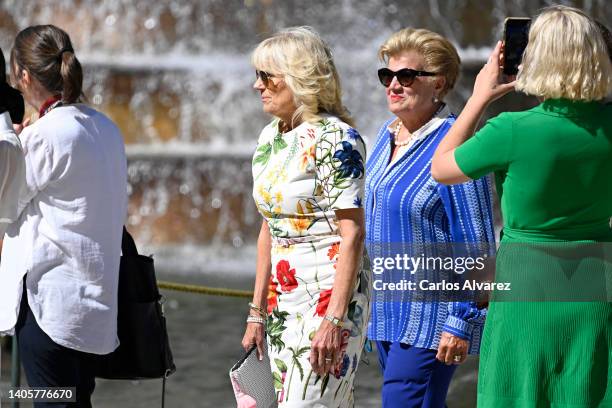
column 48, row 364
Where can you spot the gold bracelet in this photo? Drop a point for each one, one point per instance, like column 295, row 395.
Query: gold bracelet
column 258, row 309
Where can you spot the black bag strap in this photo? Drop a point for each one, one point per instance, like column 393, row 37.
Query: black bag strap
column 164, row 392
column 128, row 246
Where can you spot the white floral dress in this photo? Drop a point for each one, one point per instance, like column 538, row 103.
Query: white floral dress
column 300, row 178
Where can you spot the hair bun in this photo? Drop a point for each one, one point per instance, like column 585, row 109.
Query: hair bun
column 62, row 51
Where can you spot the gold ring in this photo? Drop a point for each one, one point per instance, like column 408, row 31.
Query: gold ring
column 457, row 359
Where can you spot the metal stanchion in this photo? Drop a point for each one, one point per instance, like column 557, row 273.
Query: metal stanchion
column 15, row 369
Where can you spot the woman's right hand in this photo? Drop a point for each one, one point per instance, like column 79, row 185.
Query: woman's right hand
column 489, row 84
column 254, row 335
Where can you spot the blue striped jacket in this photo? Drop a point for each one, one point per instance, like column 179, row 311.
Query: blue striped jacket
column 405, row 205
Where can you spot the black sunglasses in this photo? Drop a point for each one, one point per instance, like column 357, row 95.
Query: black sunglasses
column 405, row 76
column 265, row 77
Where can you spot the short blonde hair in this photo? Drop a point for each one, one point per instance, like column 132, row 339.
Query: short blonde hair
column 566, row 57
column 439, row 54
column 305, row 61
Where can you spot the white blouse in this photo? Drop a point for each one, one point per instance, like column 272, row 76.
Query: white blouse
column 12, row 172
column 421, row 133
column 68, row 234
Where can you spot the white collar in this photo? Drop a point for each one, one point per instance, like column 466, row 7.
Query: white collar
column 437, row 119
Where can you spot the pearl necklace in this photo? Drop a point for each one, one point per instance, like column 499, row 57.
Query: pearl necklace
column 396, row 132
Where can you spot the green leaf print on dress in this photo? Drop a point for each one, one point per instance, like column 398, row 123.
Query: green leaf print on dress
column 278, row 144
column 338, row 163
column 263, row 155
column 299, row 179
column 275, row 328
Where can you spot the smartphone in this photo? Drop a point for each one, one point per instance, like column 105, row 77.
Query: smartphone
column 516, row 34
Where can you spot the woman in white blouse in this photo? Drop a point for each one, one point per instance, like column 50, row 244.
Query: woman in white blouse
column 66, row 243
column 12, row 167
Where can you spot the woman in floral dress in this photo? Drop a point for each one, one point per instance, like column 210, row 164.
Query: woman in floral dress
column 308, row 173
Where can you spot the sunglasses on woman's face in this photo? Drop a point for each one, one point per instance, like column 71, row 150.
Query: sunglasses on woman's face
column 266, row 77
column 405, row 76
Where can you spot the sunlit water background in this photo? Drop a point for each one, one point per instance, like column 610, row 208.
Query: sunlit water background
column 175, row 76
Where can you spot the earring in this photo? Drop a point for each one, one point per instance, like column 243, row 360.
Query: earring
column 435, row 100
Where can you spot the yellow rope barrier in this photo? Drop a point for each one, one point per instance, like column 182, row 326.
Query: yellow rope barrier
column 204, row 290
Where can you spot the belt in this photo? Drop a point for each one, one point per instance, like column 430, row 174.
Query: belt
column 288, row 241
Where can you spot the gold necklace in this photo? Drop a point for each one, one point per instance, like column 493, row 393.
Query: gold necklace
column 396, row 132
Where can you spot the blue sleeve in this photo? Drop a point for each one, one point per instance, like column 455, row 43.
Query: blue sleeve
column 469, row 210
column 462, row 317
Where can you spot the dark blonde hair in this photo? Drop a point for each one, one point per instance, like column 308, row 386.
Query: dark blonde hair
column 439, row 54
column 46, row 52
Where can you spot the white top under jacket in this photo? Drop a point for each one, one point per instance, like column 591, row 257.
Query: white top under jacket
column 68, row 234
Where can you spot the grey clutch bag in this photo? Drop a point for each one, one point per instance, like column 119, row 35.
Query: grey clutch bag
column 252, row 381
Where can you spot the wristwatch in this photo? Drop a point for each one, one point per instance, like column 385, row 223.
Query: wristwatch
column 334, row 320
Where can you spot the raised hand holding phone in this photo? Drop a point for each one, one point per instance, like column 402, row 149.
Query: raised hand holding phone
column 516, row 35
column 489, row 84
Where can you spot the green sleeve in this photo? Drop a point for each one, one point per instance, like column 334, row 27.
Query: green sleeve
column 488, row 150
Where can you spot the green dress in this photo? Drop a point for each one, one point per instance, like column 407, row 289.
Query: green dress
column 553, row 170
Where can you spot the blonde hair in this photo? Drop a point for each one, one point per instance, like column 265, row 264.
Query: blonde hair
column 305, row 61
column 439, row 54
column 566, row 57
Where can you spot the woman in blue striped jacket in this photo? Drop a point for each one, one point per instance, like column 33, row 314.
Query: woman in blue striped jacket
column 420, row 342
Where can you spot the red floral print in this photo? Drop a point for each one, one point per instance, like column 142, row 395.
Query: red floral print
column 272, row 295
column 323, row 302
column 286, row 276
column 333, row 252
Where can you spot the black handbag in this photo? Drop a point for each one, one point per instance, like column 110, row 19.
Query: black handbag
column 144, row 349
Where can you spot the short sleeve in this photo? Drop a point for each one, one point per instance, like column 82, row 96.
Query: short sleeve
column 488, row 150
column 340, row 156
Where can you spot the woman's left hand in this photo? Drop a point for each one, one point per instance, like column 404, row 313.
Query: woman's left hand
column 452, row 349
column 325, row 348
column 489, row 84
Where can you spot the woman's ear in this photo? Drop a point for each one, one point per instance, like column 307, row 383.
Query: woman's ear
column 440, row 84
column 21, row 78
column 25, row 78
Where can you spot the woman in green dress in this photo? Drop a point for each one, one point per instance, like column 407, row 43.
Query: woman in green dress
column 553, row 165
